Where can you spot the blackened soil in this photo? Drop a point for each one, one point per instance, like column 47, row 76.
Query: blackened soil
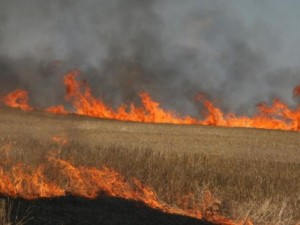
column 72, row 210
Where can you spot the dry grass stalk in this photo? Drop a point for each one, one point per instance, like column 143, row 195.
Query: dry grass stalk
column 6, row 215
column 249, row 173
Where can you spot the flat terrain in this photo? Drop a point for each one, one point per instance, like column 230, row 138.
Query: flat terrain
column 251, row 172
column 230, row 142
column 72, row 210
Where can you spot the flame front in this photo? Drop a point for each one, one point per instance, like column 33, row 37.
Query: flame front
column 59, row 109
column 58, row 177
column 18, row 99
column 278, row 115
column 84, row 103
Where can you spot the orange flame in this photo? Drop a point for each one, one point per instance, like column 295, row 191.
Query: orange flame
column 59, row 109
column 31, row 183
column 278, row 115
column 57, row 177
column 84, row 103
column 18, row 99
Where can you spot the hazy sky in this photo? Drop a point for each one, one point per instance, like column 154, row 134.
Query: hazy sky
column 239, row 52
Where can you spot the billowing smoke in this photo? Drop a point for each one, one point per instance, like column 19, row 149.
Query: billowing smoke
column 237, row 52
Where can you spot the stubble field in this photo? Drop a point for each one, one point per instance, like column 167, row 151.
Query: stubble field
column 235, row 172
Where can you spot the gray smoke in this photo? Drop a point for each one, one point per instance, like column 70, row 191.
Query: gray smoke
column 237, row 52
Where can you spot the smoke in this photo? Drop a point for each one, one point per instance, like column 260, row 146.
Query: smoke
column 237, row 52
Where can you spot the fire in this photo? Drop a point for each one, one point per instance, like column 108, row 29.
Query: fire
column 59, row 109
column 56, row 177
column 59, row 177
column 278, row 115
column 18, row 99
column 84, row 103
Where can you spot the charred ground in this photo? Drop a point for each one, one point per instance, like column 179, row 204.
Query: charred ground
column 251, row 172
column 70, row 210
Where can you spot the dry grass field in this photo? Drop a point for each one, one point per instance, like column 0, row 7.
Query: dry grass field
column 244, row 172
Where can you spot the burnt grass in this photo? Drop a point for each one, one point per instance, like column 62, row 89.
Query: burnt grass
column 71, row 210
column 250, row 172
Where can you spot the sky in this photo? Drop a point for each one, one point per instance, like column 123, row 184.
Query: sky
column 237, row 52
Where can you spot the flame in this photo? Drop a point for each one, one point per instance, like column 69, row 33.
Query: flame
column 59, row 109
column 59, row 177
column 278, row 115
column 30, row 183
column 84, row 103
column 18, row 99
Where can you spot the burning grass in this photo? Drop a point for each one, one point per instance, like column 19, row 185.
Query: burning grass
column 236, row 173
column 278, row 115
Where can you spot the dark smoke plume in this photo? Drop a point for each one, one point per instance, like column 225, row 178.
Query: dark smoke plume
column 237, row 52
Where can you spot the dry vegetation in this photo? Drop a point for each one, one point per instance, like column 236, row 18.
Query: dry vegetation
column 4, row 213
column 6, row 217
column 253, row 173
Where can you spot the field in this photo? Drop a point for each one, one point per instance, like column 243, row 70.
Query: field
column 234, row 172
